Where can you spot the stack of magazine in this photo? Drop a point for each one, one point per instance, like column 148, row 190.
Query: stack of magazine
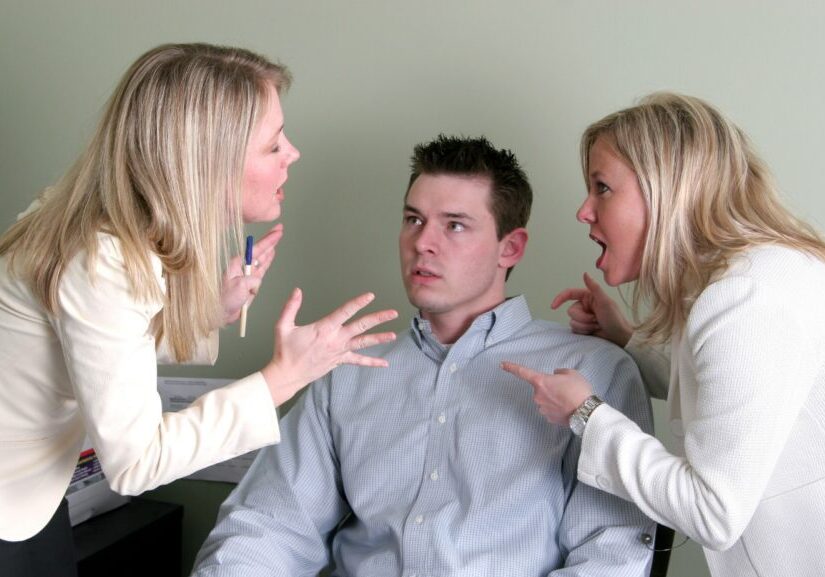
column 89, row 493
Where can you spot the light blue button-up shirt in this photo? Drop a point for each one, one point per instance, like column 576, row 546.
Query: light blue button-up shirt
column 438, row 465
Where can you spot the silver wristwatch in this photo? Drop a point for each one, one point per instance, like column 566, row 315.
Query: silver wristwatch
column 579, row 417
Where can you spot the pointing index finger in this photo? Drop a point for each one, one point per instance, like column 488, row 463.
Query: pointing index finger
column 571, row 294
column 521, row 372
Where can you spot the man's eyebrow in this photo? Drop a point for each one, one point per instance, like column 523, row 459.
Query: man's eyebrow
column 451, row 215
column 457, row 215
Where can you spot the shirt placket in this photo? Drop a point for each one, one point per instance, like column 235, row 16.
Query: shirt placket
column 421, row 527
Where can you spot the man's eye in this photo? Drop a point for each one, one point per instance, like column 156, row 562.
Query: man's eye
column 456, row 226
column 414, row 220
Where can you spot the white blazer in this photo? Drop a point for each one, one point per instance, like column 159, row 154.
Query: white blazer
column 747, row 408
column 92, row 369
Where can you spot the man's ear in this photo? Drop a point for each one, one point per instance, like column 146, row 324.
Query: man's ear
column 512, row 246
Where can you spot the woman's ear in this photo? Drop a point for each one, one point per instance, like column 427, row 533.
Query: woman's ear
column 512, row 247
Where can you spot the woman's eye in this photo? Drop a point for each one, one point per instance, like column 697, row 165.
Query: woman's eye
column 601, row 188
column 276, row 150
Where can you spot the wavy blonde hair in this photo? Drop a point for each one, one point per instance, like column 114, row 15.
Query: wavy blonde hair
column 709, row 197
column 163, row 174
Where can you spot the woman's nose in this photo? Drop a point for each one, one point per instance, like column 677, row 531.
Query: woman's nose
column 586, row 213
column 293, row 153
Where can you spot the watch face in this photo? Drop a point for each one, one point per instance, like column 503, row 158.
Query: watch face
column 578, row 419
column 577, row 424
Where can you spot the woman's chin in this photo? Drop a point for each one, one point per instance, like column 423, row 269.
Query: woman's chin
column 269, row 216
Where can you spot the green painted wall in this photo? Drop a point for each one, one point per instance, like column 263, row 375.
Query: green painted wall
column 374, row 77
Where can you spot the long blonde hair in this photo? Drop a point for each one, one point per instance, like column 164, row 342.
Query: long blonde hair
column 709, row 197
column 163, row 175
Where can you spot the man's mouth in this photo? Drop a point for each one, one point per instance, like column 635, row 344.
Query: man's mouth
column 424, row 274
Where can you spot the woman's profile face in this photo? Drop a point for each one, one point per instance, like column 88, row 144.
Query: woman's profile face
column 268, row 156
column 617, row 213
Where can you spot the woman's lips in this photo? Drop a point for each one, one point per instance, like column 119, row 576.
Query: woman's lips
column 603, row 246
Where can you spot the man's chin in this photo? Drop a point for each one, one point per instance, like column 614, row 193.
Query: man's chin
column 426, row 306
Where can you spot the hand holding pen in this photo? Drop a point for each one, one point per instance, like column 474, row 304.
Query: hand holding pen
column 239, row 287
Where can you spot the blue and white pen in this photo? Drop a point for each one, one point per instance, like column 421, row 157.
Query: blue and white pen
column 247, row 270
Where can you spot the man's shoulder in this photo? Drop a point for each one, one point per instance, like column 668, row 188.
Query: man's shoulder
column 553, row 335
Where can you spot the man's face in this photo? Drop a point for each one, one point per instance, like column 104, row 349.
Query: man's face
column 451, row 258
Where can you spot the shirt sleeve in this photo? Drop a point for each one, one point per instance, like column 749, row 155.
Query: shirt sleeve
column 755, row 354
column 109, row 353
column 601, row 533
column 278, row 520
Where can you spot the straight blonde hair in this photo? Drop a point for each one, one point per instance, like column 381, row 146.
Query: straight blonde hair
column 709, row 197
column 163, row 175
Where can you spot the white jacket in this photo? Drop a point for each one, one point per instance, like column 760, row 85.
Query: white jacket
column 747, row 408
column 92, row 370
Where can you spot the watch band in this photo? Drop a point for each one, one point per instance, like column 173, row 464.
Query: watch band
column 579, row 418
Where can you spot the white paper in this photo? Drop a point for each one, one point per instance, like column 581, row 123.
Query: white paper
column 179, row 393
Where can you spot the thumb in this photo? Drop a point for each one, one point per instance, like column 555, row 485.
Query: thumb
column 595, row 288
column 291, row 308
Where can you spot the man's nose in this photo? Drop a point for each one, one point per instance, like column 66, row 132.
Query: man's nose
column 427, row 239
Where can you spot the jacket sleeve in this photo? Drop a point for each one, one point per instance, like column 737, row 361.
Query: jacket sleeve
column 754, row 354
column 110, row 357
column 278, row 520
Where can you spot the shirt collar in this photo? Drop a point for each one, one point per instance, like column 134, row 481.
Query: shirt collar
column 495, row 326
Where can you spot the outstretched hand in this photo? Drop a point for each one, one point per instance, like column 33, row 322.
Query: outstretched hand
column 556, row 395
column 305, row 353
column 238, row 289
column 594, row 313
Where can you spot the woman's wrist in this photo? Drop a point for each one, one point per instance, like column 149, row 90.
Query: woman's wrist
column 278, row 381
column 578, row 420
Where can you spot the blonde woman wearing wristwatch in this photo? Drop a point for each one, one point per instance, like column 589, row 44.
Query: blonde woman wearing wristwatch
column 681, row 205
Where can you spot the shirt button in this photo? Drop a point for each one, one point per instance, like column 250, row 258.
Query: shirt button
column 442, row 418
column 419, row 519
column 453, row 368
column 434, row 475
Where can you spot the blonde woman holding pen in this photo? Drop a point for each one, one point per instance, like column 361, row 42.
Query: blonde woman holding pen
column 679, row 203
column 118, row 267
